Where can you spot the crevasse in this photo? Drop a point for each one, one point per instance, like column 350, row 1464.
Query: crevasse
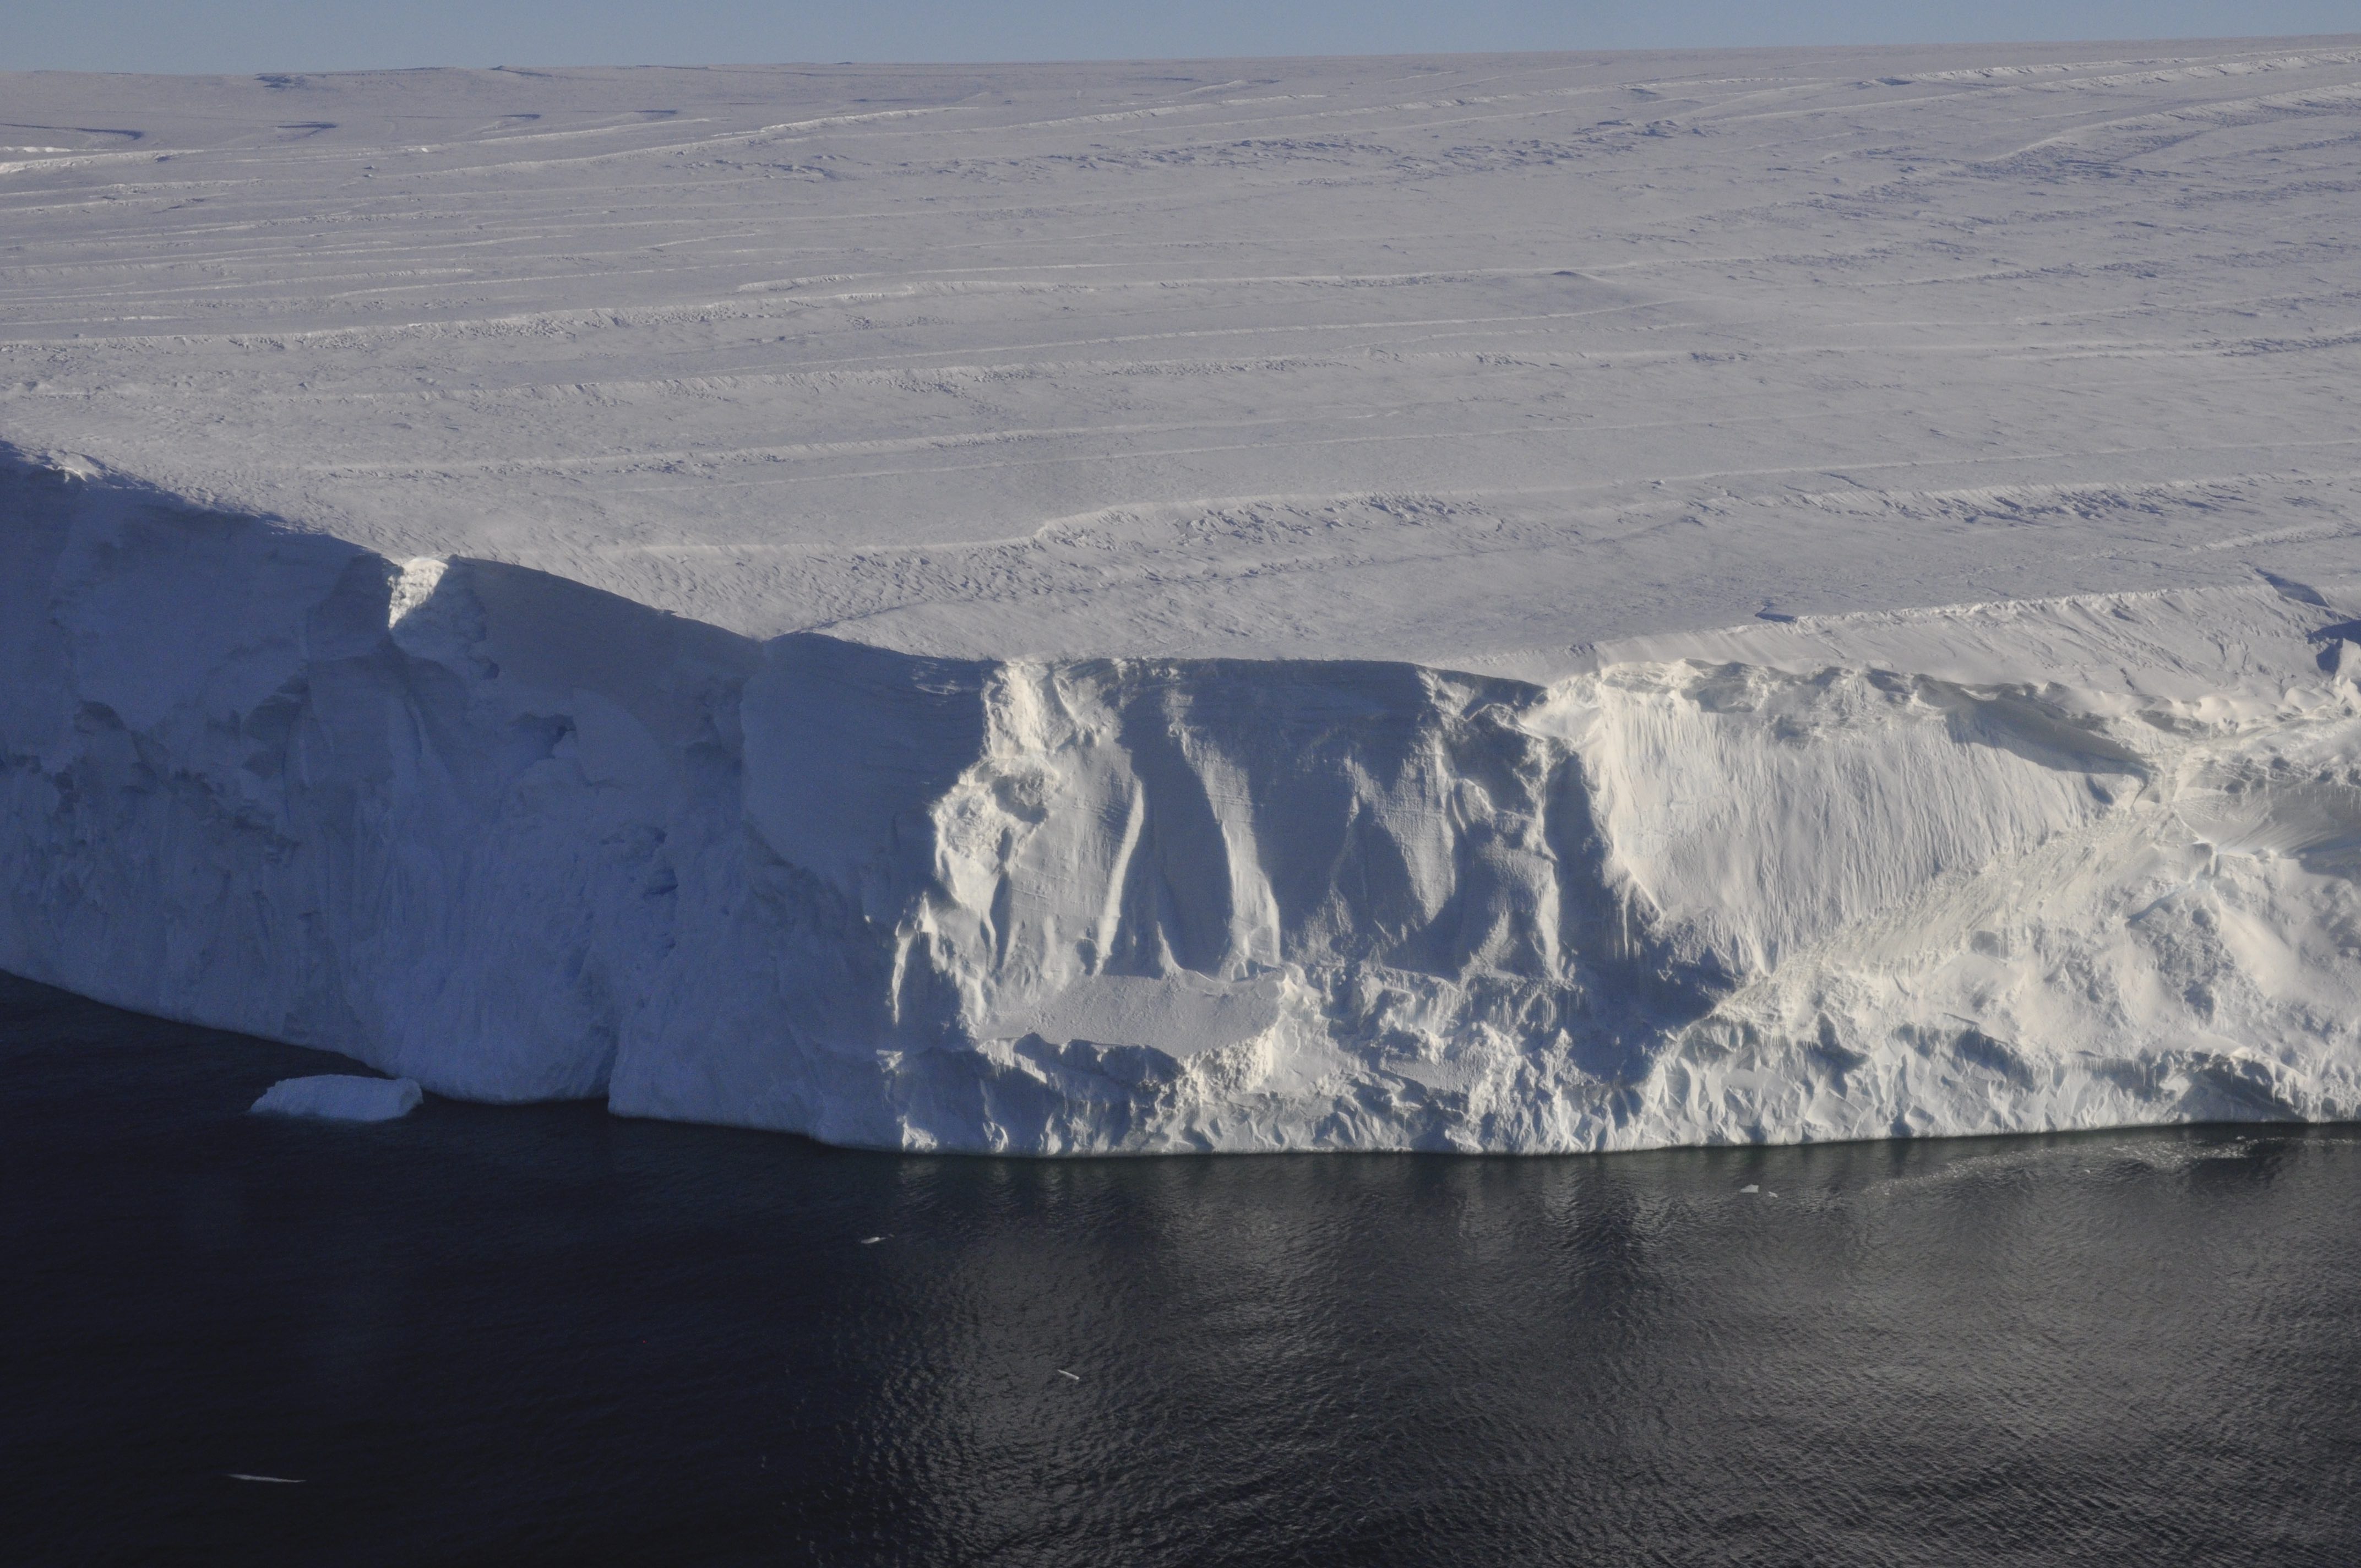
column 518, row 839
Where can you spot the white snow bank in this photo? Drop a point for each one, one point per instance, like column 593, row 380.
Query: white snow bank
column 1444, row 361
column 341, row 1097
column 2019, row 865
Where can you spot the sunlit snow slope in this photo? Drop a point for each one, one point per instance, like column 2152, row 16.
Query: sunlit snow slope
column 1518, row 603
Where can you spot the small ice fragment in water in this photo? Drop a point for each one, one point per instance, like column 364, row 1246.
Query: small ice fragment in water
column 1749, row 1186
column 272, row 1480
column 1075, row 1375
column 871, row 1241
column 341, row 1097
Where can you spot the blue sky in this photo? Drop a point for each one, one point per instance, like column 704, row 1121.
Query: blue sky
column 327, row 35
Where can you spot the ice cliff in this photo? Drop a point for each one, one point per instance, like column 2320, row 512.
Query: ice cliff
column 2004, row 866
column 1493, row 602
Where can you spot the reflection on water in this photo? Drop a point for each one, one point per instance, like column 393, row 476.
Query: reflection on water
column 502, row 1336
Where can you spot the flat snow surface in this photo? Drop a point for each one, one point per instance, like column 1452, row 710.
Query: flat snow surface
column 1431, row 359
column 1523, row 603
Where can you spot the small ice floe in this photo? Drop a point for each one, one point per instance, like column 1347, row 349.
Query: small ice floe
column 1075, row 1375
column 341, row 1097
column 70, row 465
column 267, row 1480
column 871, row 1241
column 1749, row 1186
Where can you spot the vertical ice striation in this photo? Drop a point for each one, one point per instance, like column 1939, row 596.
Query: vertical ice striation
column 516, row 837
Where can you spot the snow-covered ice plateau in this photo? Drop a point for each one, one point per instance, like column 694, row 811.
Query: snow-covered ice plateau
column 1513, row 603
column 341, row 1097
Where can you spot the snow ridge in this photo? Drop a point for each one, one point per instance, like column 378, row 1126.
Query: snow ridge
column 1999, row 867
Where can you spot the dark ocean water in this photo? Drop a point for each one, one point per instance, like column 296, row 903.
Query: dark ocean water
column 547, row 1335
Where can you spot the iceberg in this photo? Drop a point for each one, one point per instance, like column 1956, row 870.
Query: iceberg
column 341, row 1097
column 1272, row 645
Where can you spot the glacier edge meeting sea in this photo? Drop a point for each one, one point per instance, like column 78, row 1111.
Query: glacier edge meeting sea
column 1505, row 809
column 1519, row 603
column 2012, row 867
column 540, row 1333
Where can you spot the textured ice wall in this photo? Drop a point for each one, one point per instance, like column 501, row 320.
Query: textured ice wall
column 516, row 838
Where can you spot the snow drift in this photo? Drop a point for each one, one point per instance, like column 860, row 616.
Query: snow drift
column 1999, row 867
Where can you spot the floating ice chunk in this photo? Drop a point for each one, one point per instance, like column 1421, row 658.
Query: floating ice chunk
column 1749, row 1186
column 341, row 1097
column 70, row 464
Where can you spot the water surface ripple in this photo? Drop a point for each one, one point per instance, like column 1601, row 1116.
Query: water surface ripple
column 545, row 1334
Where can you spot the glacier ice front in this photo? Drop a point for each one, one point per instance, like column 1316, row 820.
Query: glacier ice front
column 515, row 839
column 1522, row 602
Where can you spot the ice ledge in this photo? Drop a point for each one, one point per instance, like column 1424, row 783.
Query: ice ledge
column 1992, row 868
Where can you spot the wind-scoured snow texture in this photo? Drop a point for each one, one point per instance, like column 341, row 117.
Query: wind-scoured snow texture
column 515, row 837
column 1460, row 361
column 1520, row 603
